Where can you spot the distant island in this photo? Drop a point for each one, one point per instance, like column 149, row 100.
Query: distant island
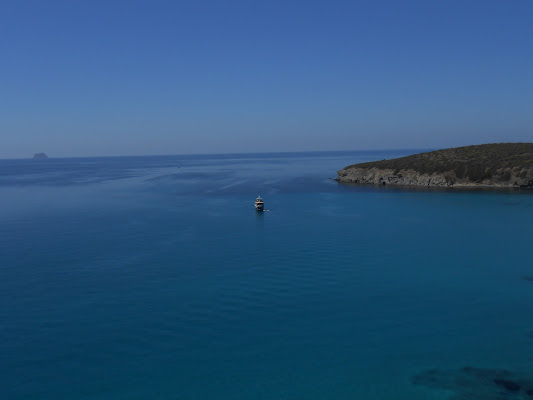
column 486, row 165
column 39, row 156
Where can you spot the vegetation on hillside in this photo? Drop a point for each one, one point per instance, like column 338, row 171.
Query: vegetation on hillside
column 475, row 163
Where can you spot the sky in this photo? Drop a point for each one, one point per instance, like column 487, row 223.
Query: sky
column 99, row 78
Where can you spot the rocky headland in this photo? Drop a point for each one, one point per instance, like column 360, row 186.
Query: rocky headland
column 486, row 165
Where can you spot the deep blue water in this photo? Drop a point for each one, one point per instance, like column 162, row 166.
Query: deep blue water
column 154, row 278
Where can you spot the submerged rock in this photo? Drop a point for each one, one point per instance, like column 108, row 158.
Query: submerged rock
column 470, row 383
column 507, row 384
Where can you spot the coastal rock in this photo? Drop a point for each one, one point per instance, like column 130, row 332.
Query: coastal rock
column 39, row 156
column 497, row 165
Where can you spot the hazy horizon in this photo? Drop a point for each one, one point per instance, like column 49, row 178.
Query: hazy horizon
column 225, row 153
column 377, row 149
column 155, row 78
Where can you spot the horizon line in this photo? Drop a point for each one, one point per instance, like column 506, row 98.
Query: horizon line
column 216, row 154
column 260, row 152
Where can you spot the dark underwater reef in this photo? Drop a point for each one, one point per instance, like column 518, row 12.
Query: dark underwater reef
column 470, row 383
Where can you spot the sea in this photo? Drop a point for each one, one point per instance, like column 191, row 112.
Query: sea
column 154, row 278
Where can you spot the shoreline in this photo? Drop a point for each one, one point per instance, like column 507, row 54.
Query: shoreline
column 442, row 188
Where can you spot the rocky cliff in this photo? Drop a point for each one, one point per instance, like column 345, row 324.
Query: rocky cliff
column 488, row 165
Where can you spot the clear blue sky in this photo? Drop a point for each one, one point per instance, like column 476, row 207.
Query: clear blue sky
column 89, row 78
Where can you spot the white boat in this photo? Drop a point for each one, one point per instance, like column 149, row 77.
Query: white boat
column 259, row 204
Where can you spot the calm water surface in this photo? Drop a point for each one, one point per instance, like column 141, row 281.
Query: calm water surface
column 154, row 278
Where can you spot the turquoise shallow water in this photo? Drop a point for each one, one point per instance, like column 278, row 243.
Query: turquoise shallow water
column 154, row 278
